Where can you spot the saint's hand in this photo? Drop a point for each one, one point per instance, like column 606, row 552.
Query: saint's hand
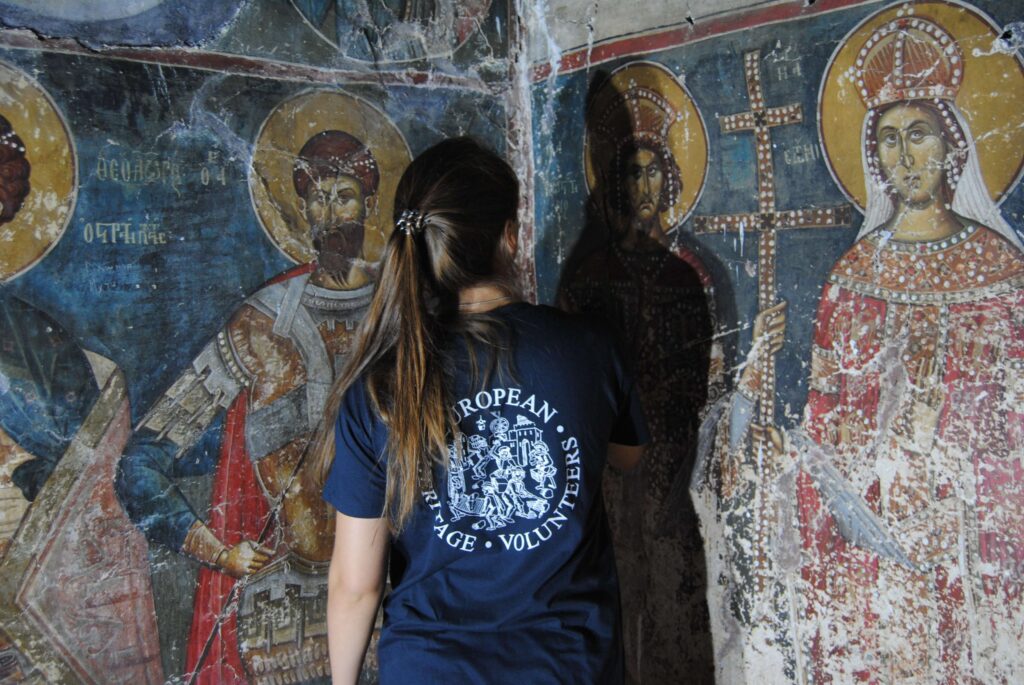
column 767, row 440
column 916, row 425
column 769, row 336
column 244, row 558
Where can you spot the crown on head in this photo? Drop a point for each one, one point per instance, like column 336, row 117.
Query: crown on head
column 637, row 113
column 908, row 58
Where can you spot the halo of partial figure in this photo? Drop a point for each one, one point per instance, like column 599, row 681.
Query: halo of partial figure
column 38, row 170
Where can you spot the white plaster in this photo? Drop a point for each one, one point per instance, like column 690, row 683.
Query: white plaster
column 569, row 27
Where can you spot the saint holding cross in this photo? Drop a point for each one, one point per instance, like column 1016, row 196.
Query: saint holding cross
column 906, row 468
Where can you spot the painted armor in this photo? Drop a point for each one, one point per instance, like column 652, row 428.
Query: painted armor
column 270, row 370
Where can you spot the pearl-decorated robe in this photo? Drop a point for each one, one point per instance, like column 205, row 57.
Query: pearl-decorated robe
column 917, row 391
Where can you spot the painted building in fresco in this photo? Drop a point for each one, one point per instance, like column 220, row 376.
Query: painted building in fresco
column 804, row 221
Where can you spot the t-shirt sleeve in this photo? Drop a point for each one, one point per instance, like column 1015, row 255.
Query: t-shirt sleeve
column 630, row 427
column 356, row 481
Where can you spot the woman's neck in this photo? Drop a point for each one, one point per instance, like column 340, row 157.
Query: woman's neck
column 482, row 298
column 923, row 224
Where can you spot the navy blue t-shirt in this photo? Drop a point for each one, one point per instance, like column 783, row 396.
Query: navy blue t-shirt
column 505, row 572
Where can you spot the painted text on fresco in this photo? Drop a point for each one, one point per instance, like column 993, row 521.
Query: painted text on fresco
column 124, row 233
column 148, row 168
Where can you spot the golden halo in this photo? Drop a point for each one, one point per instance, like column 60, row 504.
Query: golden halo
column 284, row 132
column 991, row 98
column 685, row 134
column 53, row 176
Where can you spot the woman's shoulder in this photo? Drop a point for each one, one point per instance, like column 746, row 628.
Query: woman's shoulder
column 552, row 321
column 358, row 405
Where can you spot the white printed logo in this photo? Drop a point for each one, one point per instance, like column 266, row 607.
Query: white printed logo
column 501, row 475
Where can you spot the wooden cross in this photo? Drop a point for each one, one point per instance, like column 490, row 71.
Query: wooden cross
column 765, row 223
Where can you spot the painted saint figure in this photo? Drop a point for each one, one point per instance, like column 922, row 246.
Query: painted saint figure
column 270, row 369
column 910, row 489
column 653, row 291
column 21, row 342
column 61, row 406
column 46, row 384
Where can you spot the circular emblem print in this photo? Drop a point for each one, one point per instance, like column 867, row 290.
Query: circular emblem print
column 512, row 478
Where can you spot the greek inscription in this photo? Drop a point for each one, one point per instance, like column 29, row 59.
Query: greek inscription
column 787, row 70
column 148, row 168
column 213, row 171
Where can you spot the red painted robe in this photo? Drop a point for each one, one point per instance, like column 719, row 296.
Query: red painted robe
column 238, row 511
column 917, row 385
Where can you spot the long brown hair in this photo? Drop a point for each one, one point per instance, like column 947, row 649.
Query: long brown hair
column 462, row 198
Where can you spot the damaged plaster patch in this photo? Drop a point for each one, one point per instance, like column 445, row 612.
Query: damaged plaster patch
column 1009, row 42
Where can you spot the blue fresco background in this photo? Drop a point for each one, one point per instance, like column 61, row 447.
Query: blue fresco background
column 713, row 72
column 152, row 308
column 181, row 22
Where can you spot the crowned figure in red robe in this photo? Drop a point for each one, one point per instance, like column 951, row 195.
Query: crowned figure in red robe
column 911, row 484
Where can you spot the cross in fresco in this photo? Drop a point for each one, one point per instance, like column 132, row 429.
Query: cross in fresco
column 765, row 223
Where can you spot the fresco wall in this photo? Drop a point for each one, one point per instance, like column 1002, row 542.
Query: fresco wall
column 193, row 198
column 803, row 218
column 805, row 221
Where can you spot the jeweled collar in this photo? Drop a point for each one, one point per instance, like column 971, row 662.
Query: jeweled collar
column 973, row 264
column 328, row 299
column 884, row 240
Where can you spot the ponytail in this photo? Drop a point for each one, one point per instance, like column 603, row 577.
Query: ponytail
column 455, row 201
column 409, row 391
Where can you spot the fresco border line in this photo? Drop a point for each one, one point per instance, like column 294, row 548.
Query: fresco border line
column 519, row 139
column 241, row 65
column 647, row 42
